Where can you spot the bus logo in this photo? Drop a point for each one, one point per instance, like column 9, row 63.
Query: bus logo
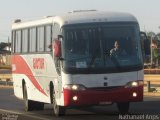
column 38, row 63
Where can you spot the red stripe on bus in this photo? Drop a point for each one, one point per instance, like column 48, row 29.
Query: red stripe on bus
column 21, row 67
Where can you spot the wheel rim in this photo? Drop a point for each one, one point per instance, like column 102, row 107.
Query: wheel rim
column 55, row 107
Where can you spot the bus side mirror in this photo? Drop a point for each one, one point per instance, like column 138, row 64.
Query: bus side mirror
column 57, row 48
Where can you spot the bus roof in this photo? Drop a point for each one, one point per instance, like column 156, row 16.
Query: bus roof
column 94, row 16
column 79, row 17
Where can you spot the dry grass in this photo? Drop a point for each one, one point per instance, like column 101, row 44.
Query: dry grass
column 5, row 86
column 5, row 67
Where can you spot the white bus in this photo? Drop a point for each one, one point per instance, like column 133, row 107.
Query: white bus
column 66, row 61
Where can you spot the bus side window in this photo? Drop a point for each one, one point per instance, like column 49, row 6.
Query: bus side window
column 25, row 40
column 13, row 41
column 40, row 39
column 18, row 41
column 32, row 39
column 48, row 38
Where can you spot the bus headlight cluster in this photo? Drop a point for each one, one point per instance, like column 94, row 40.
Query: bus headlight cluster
column 134, row 94
column 75, row 98
column 134, row 84
column 76, row 87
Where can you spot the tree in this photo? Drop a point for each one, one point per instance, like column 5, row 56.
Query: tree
column 151, row 34
column 158, row 36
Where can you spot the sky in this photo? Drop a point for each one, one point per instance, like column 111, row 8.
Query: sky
column 147, row 12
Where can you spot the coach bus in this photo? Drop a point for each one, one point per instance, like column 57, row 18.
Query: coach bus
column 65, row 61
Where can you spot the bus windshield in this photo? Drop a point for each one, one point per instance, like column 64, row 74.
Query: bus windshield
column 91, row 48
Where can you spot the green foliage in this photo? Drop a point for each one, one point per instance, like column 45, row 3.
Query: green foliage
column 149, row 34
column 158, row 34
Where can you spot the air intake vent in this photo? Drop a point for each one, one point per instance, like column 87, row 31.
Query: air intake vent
column 17, row 20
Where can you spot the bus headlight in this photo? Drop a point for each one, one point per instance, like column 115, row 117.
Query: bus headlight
column 75, row 98
column 134, row 84
column 75, row 87
column 134, row 94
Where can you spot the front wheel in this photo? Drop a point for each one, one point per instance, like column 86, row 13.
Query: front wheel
column 58, row 110
column 123, row 107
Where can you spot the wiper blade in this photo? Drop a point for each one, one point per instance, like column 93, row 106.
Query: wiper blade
column 93, row 59
column 95, row 55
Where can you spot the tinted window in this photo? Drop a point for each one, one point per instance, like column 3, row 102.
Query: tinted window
column 32, row 38
column 48, row 37
column 25, row 40
column 92, row 47
column 13, row 41
column 18, row 41
column 40, row 39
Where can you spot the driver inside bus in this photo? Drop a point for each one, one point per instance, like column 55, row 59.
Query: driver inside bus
column 117, row 50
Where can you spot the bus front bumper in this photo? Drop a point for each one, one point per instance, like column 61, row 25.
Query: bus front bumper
column 98, row 97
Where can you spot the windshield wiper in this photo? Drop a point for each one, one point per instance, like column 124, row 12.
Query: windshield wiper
column 95, row 55
column 98, row 48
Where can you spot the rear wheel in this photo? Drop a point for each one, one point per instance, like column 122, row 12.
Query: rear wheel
column 123, row 107
column 58, row 110
column 29, row 105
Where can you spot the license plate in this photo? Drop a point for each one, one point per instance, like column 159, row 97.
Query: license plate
column 105, row 103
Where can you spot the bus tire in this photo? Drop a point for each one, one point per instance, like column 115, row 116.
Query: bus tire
column 123, row 107
column 58, row 110
column 28, row 103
